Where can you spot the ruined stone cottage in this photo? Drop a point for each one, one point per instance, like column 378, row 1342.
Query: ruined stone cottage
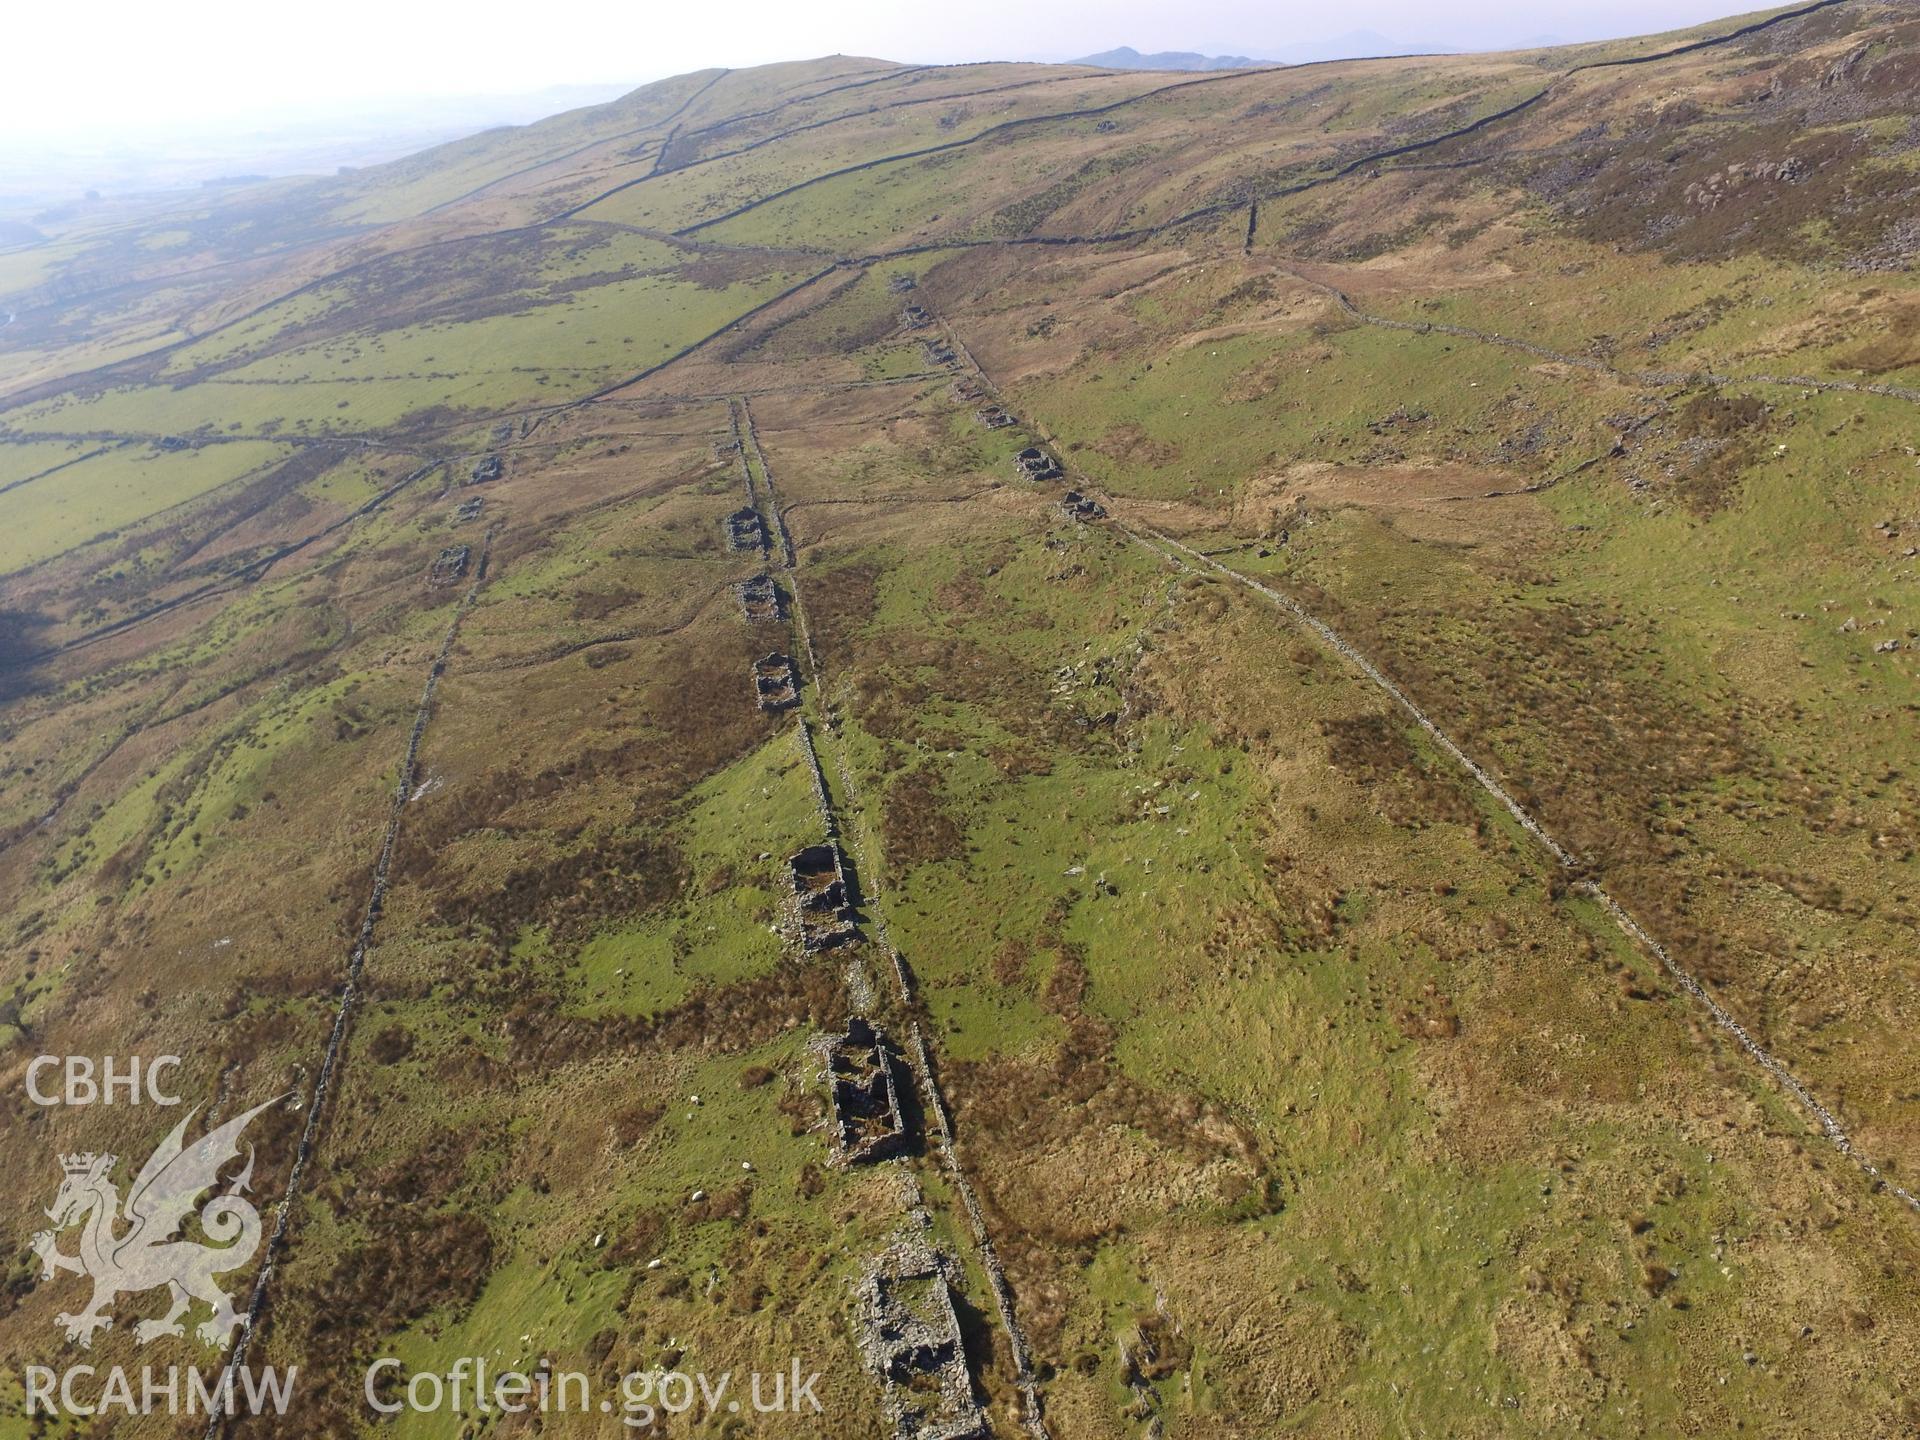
column 910, row 1338
column 869, row 1122
column 1076, row 506
column 450, row 565
column 761, row 598
column 746, row 530
column 823, row 896
column 1036, row 464
column 776, row 685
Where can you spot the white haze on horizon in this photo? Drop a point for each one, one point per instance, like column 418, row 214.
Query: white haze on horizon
column 243, row 87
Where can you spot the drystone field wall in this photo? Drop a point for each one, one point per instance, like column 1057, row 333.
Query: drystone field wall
column 861, row 865
column 1822, row 1115
column 1176, row 553
column 332, row 1057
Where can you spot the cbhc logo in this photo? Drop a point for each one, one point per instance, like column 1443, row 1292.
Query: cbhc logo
column 82, row 1082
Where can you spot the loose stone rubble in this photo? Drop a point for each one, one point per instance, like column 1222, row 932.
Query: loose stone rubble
column 994, row 418
column 914, row 317
column 910, row 1338
column 468, row 510
column 487, row 467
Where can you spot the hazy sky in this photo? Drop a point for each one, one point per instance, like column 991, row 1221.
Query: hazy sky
column 109, row 64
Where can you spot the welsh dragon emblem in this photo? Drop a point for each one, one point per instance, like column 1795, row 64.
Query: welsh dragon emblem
column 126, row 1253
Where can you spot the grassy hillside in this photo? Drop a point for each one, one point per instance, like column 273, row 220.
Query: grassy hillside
column 1399, row 920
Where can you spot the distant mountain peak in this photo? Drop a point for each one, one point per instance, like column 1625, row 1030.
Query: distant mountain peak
column 1354, row 45
column 1125, row 57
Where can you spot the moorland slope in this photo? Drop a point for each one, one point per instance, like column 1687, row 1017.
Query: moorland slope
column 1392, row 905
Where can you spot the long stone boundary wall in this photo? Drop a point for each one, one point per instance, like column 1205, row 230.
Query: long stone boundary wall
column 331, row 1060
column 922, row 1064
column 1596, row 366
column 804, row 731
column 1172, row 551
column 1632, row 928
column 775, row 517
column 989, row 1257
